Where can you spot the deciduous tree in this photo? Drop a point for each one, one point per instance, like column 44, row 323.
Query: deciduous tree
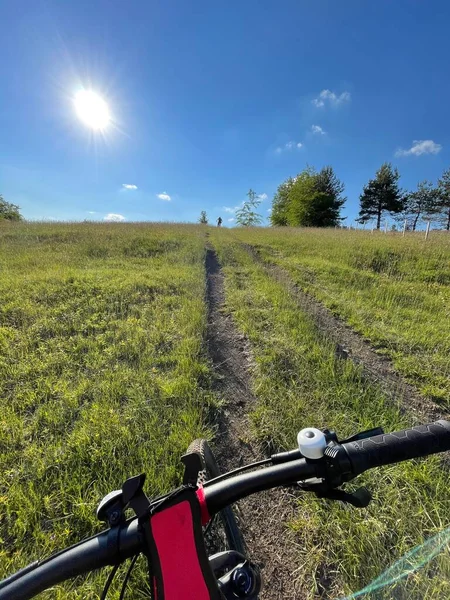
column 9, row 211
column 280, row 204
column 310, row 199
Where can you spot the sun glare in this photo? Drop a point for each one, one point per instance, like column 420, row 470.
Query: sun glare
column 92, row 109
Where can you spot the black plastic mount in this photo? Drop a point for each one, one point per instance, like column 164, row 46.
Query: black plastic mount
column 112, row 508
column 192, row 467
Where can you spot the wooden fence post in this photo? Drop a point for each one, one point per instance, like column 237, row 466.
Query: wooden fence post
column 428, row 230
column 404, row 228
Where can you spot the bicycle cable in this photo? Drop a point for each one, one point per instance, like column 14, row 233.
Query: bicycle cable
column 109, row 581
column 127, row 576
column 254, row 465
column 208, row 526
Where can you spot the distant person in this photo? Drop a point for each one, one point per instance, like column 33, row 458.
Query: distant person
column 219, row 221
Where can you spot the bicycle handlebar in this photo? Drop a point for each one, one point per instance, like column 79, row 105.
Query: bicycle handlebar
column 87, row 556
column 221, row 494
column 111, row 547
column 390, row 448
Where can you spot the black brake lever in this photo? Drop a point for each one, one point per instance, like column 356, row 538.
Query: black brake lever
column 360, row 498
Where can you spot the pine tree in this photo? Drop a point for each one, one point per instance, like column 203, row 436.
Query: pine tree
column 246, row 216
column 203, row 218
column 421, row 203
column 443, row 203
column 381, row 194
column 328, row 210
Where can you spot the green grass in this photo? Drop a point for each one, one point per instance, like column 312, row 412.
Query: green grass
column 299, row 382
column 102, row 375
column 393, row 290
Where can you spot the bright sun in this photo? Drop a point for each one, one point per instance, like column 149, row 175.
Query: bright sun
column 92, row 109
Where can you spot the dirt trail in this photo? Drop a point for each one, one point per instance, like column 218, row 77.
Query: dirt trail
column 351, row 345
column 264, row 516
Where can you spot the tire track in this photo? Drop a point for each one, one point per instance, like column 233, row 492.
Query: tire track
column 351, row 345
column 262, row 517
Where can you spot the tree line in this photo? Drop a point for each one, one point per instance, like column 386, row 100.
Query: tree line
column 315, row 199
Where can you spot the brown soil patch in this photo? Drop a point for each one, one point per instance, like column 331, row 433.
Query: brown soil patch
column 263, row 517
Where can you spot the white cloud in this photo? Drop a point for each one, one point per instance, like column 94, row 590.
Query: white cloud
column 269, row 210
column 232, row 209
column 317, row 129
column 113, row 218
column 420, row 147
column 92, row 212
column 288, row 146
column 263, row 197
column 330, row 98
column 129, row 186
column 230, row 220
column 164, row 196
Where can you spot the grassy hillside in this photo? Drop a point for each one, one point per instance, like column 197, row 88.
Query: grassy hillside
column 298, row 382
column 395, row 291
column 102, row 374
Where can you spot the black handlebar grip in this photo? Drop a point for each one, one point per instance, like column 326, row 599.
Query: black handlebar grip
column 394, row 447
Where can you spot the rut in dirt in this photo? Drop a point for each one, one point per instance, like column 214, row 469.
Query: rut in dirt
column 350, row 345
column 262, row 517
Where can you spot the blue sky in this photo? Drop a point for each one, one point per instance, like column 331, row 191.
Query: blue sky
column 209, row 99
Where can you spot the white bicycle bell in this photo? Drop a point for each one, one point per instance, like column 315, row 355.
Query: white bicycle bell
column 311, row 443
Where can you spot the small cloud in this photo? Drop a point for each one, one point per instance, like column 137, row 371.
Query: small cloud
column 114, row 218
column 420, row 147
column 129, row 186
column 263, row 197
column 233, row 209
column 164, row 196
column 288, row 146
column 92, row 212
column 269, row 210
column 330, row 98
column 317, row 129
column 230, row 220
